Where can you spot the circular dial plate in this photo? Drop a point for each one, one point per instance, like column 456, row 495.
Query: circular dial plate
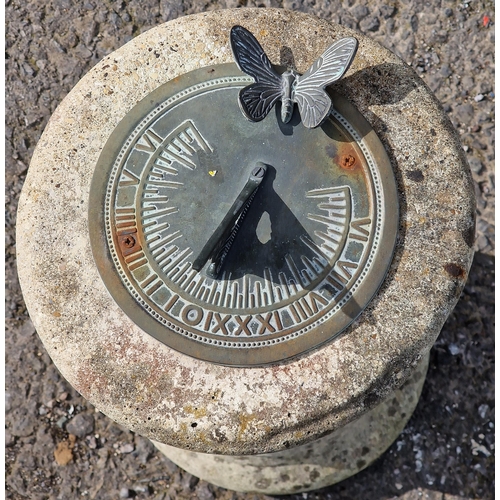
column 311, row 251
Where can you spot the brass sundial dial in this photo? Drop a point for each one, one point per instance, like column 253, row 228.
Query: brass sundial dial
column 242, row 242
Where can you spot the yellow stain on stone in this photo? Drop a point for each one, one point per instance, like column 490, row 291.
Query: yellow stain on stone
column 244, row 421
column 196, row 412
column 202, row 437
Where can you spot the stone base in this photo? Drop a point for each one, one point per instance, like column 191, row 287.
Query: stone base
column 314, row 465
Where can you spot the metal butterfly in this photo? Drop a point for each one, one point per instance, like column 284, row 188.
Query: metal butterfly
column 307, row 90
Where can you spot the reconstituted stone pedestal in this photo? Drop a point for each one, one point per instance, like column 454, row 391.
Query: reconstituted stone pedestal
column 325, row 461
column 347, row 389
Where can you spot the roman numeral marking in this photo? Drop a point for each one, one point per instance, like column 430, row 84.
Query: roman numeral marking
column 316, row 299
column 151, row 284
column 136, row 260
column 265, row 325
column 336, row 281
column 221, row 323
column 294, row 312
column 171, row 303
column 151, row 141
column 125, row 221
column 208, row 321
column 337, row 277
column 192, row 315
column 127, row 178
column 277, row 319
column 346, row 266
column 357, row 225
column 243, row 325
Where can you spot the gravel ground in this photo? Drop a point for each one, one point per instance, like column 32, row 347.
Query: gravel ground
column 59, row 447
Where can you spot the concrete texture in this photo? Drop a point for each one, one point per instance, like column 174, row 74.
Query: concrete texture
column 323, row 462
column 445, row 451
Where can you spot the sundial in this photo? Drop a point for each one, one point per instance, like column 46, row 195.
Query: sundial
column 238, row 231
column 226, row 291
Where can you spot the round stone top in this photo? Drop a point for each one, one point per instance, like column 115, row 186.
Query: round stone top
column 175, row 399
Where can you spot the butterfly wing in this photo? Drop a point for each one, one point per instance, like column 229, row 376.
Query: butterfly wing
column 313, row 102
column 314, row 106
column 257, row 99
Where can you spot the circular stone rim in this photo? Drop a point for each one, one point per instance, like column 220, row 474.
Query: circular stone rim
column 306, row 337
column 159, row 393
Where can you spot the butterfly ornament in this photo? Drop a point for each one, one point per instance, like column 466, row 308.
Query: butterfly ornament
column 307, row 90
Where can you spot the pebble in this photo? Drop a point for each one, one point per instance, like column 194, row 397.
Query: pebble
column 189, row 481
column 483, row 410
column 464, row 113
column 479, row 97
column 360, row 12
column 139, row 488
column 475, row 164
column 204, row 492
column 92, row 442
column 482, row 243
column 126, row 448
column 445, row 71
column 81, row 425
column 387, row 11
column 479, row 448
column 125, row 493
column 60, row 423
column 371, row 23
